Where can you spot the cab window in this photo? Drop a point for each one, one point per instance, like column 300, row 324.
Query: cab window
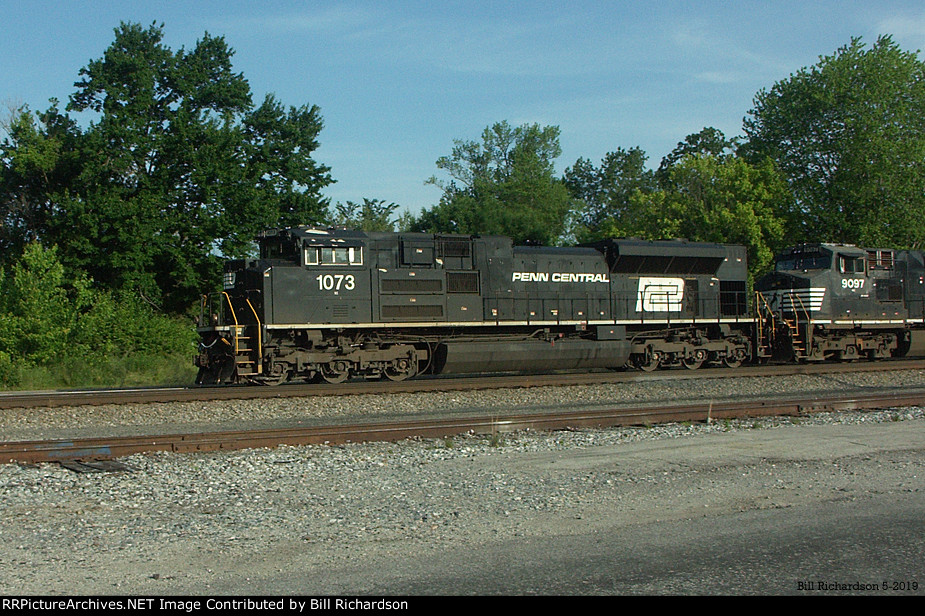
column 277, row 249
column 334, row 255
column 804, row 261
column 850, row 265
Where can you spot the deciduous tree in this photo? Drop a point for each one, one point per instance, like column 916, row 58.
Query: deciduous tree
column 717, row 199
column 175, row 170
column 504, row 185
column 371, row 215
column 849, row 135
column 603, row 194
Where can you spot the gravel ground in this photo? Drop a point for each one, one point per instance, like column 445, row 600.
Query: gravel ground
column 66, row 422
column 208, row 523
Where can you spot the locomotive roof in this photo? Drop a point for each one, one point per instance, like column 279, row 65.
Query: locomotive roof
column 615, row 248
column 846, row 249
column 320, row 233
column 663, row 248
column 313, row 232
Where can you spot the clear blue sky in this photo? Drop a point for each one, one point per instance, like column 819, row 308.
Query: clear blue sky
column 398, row 81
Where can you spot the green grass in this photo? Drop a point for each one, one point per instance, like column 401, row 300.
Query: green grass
column 139, row 370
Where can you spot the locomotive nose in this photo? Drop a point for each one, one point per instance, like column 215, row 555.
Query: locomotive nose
column 782, row 280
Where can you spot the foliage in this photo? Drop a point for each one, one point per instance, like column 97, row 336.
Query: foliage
column 503, row 185
column 604, row 193
column 38, row 161
column 49, row 320
column 849, row 136
column 371, row 215
column 713, row 199
column 176, row 169
column 708, row 142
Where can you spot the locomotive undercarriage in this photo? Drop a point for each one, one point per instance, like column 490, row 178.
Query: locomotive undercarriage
column 307, row 355
column 828, row 344
column 690, row 348
column 334, row 356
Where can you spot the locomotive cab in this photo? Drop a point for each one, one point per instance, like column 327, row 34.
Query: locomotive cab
column 835, row 301
column 828, row 279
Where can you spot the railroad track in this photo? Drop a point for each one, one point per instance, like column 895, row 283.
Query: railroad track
column 32, row 399
column 108, row 448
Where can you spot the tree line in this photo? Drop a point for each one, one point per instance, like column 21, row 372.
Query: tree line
column 175, row 167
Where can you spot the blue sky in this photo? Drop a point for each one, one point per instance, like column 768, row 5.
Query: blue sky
column 398, row 81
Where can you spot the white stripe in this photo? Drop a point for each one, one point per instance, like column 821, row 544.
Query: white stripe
column 790, row 300
column 505, row 323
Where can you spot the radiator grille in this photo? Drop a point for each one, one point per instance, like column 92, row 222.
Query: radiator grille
column 411, row 312
column 410, row 285
column 462, row 282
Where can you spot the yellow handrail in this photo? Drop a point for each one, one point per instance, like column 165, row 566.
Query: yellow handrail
column 764, row 307
column 259, row 338
column 235, row 317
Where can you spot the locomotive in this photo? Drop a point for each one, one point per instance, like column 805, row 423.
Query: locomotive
column 842, row 302
column 329, row 304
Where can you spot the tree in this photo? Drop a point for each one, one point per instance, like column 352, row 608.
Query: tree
column 604, row 193
column 39, row 159
column 849, row 136
column 176, row 170
column 36, row 315
column 716, row 199
column 59, row 322
column 371, row 215
column 503, row 185
column 709, row 142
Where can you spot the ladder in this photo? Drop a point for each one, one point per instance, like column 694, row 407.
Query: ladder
column 247, row 359
column 798, row 341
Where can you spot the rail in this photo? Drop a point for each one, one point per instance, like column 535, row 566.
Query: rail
column 106, row 448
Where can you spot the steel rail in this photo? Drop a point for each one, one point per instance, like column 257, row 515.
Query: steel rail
column 33, row 399
column 106, row 448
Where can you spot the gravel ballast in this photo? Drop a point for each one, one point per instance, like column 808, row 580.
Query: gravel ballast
column 74, row 422
column 229, row 522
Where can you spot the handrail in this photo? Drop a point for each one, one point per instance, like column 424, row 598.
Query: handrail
column 764, row 307
column 259, row 337
column 236, row 325
column 802, row 308
column 796, row 319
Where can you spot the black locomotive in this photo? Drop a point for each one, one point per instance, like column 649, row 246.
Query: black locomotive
column 836, row 301
column 329, row 304
column 325, row 304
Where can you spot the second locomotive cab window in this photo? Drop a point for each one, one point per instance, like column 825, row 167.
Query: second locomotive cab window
column 334, row 255
column 850, row 265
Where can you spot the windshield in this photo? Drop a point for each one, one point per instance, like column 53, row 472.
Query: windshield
column 804, row 261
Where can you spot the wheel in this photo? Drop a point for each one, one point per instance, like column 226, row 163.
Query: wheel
column 850, row 353
column 401, row 369
column 732, row 361
column 274, row 379
column 649, row 362
column 335, row 372
column 696, row 360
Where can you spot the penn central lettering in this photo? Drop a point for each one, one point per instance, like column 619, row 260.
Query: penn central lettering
column 558, row 277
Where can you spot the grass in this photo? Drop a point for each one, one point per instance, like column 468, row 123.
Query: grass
column 139, row 370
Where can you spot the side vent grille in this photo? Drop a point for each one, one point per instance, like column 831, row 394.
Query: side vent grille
column 454, row 248
column 462, row 282
column 410, row 285
column 732, row 298
column 412, row 312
